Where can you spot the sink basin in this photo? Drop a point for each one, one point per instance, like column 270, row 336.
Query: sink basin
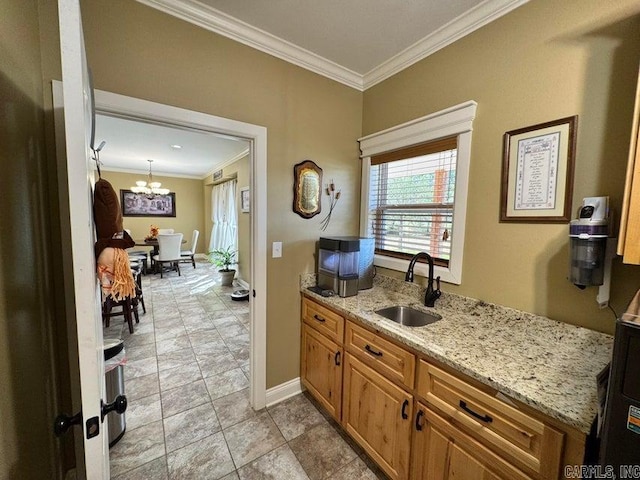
column 408, row 316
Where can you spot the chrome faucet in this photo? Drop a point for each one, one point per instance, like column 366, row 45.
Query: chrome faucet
column 430, row 295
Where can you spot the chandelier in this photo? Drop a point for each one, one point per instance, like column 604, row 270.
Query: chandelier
column 149, row 188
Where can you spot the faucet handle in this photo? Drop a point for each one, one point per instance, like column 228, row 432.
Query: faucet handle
column 438, row 284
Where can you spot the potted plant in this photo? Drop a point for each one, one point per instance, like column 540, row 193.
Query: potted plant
column 224, row 258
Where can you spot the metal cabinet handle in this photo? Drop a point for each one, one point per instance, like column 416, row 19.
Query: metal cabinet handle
column 372, row 351
column 482, row 418
column 418, row 424
column 319, row 318
column 405, row 404
column 336, row 359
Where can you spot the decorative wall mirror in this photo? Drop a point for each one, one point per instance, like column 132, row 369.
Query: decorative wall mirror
column 307, row 183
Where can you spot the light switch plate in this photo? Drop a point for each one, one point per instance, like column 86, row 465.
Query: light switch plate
column 276, row 250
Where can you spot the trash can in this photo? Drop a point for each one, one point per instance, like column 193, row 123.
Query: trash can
column 114, row 359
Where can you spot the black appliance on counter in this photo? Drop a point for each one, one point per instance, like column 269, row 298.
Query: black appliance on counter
column 620, row 448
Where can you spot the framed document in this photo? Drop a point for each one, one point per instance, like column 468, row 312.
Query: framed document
column 537, row 172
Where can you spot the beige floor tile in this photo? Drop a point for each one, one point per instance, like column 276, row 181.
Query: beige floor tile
column 295, row 416
column 154, row 470
column 183, row 398
column 143, row 411
column 329, row 454
column 178, row 358
column 136, row 448
column 179, row 342
column 356, row 470
column 176, row 377
column 233, row 408
column 252, row 438
column 140, row 368
column 278, row 464
column 189, row 426
column 139, row 387
column 226, row 383
column 206, row 459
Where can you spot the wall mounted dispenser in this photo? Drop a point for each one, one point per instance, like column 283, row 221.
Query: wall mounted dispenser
column 590, row 251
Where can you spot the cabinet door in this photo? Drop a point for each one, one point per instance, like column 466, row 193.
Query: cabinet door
column 321, row 366
column 377, row 414
column 441, row 451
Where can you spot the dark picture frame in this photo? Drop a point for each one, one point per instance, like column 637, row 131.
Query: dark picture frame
column 139, row 205
column 537, row 172
column 307, row 189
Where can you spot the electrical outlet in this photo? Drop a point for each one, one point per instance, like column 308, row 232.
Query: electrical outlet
column 276, row 250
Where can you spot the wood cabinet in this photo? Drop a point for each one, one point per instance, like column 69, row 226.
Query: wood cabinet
column 629, row 237
column 321, row 369
column 377, row 414
column 441, row 451
column 421, row 420
column 522, row 439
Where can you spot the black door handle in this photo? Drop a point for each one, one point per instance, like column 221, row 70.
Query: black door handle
column 405, row 404
column 119, row 405
column 63, row 423
column 372, row 351
column 418, row 424
column 482, row 418
column 336, row 358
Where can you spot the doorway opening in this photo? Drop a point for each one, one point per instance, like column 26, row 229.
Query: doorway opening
column 116, row 105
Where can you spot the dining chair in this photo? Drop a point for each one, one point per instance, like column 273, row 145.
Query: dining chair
column 189, row 255
column 168, row 251
column 165, row 231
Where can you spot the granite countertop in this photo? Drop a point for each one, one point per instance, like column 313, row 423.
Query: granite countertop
column 549, row 365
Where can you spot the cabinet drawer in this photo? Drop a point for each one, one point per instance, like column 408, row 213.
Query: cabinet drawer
column 518, row 436
column 387, row 358
column 322, row 319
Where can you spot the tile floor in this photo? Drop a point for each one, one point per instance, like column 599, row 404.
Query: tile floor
column 187, row 384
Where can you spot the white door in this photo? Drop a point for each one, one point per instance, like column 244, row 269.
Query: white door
column 78, row 120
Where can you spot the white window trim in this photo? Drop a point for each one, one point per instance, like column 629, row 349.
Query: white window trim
column 457, row 120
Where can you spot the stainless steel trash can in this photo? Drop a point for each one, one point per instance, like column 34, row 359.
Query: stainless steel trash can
column 114, row 379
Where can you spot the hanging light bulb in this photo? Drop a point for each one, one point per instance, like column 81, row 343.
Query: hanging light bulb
column 149, row 188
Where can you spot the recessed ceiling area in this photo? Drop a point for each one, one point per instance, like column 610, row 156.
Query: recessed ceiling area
column 356, row 34
column 359, row 43
column 130, row 143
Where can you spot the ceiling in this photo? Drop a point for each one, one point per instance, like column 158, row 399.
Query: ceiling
column 130, row 143
column 355, row 42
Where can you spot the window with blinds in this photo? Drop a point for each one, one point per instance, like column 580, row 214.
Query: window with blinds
column 411, row 200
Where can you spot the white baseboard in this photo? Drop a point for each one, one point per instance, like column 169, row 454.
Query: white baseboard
column 283, row 391
column 201, row 256
column 242, row 283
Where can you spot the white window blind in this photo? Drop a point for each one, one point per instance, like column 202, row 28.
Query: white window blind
column 411, row 200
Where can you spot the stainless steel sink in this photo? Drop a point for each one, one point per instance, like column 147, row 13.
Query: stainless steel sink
column 407, row 316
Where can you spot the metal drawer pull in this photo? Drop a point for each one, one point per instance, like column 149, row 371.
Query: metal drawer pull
column 482, row 418
column 418, row 424
column 405, row 404
column 372, row 351
column 337, row 358
column 319, row 318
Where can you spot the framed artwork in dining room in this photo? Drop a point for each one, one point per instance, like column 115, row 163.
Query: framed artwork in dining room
column 245, row 200
column 140, row 205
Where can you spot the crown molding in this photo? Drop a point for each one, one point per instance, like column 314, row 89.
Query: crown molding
column 218, row 22
column 226, row 163
column 459, row 27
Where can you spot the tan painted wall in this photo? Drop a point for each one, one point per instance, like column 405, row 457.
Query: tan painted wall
column 29, row 383
column 189, row 206
column 241, row 170
column 544, row 61
column 137, row 51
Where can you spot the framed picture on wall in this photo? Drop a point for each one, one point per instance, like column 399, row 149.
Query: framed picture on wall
column 140, row 205
column 245, row 203
column 537, row 172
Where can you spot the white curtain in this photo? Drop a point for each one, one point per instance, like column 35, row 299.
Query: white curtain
column 224, row 216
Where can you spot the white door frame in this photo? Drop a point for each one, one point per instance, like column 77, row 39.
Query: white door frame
column 134, row 108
